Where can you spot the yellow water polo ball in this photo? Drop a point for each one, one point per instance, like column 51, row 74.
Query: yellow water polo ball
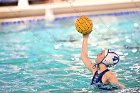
column 84, row 25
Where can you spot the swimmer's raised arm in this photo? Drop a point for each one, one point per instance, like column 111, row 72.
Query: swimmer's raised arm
column 84, row 55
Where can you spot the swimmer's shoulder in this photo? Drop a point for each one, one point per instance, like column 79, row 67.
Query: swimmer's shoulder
column 109, row 74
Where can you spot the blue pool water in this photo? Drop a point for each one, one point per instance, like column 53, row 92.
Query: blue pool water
column 41, row 57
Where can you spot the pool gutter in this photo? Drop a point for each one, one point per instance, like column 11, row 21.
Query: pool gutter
column 69, row 8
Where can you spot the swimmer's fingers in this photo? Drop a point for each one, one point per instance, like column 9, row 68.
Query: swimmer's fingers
column 121, row 86
column 86, row 36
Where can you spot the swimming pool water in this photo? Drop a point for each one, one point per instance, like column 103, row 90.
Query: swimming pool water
column 41, row 57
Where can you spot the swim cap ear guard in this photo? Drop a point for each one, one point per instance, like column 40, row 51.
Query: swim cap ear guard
column 111, row 58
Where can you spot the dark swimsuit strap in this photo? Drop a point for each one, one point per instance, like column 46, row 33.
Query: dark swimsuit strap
column 100, row 75
column 97, row 80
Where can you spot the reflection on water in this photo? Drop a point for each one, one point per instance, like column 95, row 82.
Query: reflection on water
column 35, row 57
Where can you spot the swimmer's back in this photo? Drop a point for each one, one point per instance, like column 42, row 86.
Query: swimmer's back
column 108, row 77
column 104, row 80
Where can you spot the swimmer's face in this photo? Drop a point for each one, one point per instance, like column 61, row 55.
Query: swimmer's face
column 100, row 57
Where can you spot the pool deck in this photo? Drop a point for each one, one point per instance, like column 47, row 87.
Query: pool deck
column 68, row 9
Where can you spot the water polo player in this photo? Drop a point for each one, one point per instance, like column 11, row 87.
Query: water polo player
column 103, row 78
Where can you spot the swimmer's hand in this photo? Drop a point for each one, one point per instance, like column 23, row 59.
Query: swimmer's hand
column 121, row 86
column 118, row 85
column 86, row 36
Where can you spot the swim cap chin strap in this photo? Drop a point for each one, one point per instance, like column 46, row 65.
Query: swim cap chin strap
column 110, row 59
